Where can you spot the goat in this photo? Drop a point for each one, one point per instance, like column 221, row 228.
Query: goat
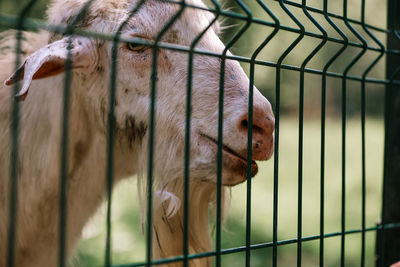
column 43, row 73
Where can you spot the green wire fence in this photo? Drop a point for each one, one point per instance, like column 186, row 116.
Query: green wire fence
column 355, row 50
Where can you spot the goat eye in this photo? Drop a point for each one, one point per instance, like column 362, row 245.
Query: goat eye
column 136, row 47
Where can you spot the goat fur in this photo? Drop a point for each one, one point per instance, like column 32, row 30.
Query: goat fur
column 41, row 116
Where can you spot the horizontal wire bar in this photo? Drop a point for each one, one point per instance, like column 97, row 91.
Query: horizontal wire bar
column 34, row 24
column 263, row 245
column 10, row 21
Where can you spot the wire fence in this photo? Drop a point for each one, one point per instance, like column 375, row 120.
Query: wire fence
column 291, row 50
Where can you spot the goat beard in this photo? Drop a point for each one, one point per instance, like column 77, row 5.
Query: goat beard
column 168, row 216
column 168, row 193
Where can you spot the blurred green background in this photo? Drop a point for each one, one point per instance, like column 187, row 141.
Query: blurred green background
column 128, row 243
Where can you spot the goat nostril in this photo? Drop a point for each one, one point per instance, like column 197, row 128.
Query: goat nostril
column 244, row 124
column 258, row 143
column 262, row 123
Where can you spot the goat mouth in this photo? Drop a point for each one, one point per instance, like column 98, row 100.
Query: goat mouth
column 234, row 160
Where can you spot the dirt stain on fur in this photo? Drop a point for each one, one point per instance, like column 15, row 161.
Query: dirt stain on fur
column 131, row 131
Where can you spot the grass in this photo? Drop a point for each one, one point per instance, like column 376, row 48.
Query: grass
column 128, row 243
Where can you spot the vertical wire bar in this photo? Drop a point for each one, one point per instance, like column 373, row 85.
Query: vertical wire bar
column 14, row 156
column 110, row 149
column 300, row 149
column 63, row 187
column 249, row 18
column 300, row 169
column 249, row 161
column 323, row 125
column 363, row 117
column 276, row 165
column 219, row 157
column 151, row 156
column 220, row 129
column 153, row 91
column 388, row 254
column 251, row 88
column 250, row 123
column 186, row 187
column 343, row 208
column 111, row 131
column 187, row 139
column 63, row 204
column 219, row 163
column 252, row 77
column 301, row 114
column 380, row 244
column 277, row 120
column 322, row 172
column 14, row 177
column 344, row 106
column 363, row 174
column 383, row 257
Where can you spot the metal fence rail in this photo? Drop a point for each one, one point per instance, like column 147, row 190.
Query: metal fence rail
column 328, row 28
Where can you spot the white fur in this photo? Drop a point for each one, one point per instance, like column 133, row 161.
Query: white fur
column 41, row 119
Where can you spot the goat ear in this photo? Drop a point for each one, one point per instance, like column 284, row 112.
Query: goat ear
column 51, row 60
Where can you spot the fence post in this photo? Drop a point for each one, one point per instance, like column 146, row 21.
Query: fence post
column 388, row 239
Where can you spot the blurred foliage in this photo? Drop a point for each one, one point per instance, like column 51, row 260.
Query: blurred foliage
column 15, row 7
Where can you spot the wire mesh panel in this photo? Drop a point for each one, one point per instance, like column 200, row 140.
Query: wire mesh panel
column 184, row 97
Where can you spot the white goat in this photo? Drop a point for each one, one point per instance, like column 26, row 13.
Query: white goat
column 41, row 119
